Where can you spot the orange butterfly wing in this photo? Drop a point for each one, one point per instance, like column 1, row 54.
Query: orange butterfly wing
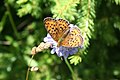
column 73, row 39
column 56, row 27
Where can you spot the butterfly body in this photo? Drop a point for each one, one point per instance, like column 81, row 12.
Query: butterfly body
column 62, row 33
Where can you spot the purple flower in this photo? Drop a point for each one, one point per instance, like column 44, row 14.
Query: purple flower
column 61, row 51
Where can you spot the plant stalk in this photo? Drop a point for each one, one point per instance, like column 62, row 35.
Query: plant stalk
column 12, row 21
column 71, row 70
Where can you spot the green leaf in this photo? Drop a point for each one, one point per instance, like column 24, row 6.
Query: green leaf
column 30, row 40
column 9, row 38
column 65, row 9
column 75, row 59
column 21, row 1
column 2, row 22
column 28, row 59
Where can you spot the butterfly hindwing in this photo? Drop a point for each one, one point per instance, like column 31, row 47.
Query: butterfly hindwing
column 73, row 39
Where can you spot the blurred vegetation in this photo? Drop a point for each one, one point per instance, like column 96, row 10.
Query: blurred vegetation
column 21, row 28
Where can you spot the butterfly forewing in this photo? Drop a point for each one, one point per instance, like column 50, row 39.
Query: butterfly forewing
column 62, row 26
column 56, row 27
column 50, row 25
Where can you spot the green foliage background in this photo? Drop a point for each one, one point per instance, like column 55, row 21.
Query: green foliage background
column 21, row 28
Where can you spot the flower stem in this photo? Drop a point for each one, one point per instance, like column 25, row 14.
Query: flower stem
column 29, row 68
column 71, row 70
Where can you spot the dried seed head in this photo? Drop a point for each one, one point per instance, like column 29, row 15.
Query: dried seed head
column 34, row 68
column 33, row 51
column 47, row 45
column 42, row 46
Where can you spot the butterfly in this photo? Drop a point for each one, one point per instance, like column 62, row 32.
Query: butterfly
column 62, row 33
